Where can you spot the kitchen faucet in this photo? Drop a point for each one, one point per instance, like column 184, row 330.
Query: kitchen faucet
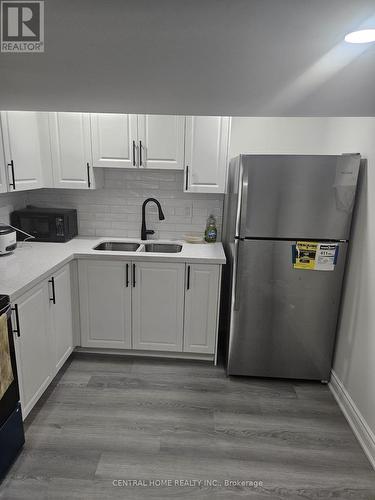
column 144, row 231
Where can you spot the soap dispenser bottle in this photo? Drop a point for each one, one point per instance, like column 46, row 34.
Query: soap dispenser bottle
column 210, row 234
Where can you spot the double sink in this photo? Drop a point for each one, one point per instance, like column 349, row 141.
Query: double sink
column 127, row 246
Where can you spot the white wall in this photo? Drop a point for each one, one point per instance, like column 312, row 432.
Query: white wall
column 354, row 362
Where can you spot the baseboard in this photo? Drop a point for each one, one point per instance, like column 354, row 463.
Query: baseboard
column 148, row 354
column 362, row 431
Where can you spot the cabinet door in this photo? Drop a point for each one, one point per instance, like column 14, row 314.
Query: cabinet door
column 114, row 140
column 22, row 149
column 158, row 305
column 61, row 313
column 161, row 141
column 105, row 302
column 206, row 153
column 201, row 308
column 3, row 173
column 33, row 346
column 71, row 150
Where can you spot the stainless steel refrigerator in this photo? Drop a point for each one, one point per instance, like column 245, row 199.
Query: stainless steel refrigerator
column 282, row 319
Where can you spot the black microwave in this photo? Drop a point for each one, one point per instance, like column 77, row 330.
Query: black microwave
column 46, row 224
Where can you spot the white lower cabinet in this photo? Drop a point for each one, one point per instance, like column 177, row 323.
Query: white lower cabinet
column 61, row 312
column 105, row 303
column 33, row 345
column 154, row 306
column 201, row 308
column 44, row 335
column 158, row 306
column 140, row 305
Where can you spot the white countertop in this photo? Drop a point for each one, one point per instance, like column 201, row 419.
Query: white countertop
column 33, row 261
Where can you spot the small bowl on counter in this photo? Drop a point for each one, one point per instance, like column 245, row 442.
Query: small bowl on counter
column 194, row 238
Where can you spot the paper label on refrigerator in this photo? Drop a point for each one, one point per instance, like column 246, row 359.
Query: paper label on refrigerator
column 305, row 253
column 315, row 256
column 326, row 256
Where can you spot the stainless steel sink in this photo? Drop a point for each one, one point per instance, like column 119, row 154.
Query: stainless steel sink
column 163, row 247
column 117, row 246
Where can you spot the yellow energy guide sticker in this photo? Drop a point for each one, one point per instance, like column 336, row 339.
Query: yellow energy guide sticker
column 305, row 255
column 315, row 256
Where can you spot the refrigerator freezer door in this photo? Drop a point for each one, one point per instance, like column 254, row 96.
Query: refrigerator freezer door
column 298, row 196
column 283, row 320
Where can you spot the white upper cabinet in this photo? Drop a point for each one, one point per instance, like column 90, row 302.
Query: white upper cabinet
column 21, row 136
column 201, row 308
column 158, row 305
column 138, row 141
column 3, row 173
column 70, row 135
column 206, row 153
column 114, row 140
column 161, row 141
column 60, row 149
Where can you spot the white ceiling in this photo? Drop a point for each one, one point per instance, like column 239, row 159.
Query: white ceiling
column 226, row 57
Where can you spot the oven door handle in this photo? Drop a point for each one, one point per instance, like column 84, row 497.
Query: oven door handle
column 17, row 329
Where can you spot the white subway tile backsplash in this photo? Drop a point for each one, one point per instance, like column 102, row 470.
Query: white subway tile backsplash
column 10, row 202
column 119, row 209
column 133, row 233
column 200, row 212
column 168, row 186
column 119, row 233
column 141, row 185
column 115, row 210
column 200, row 220
column 135, row 217
column 185, row 211
column 119, row 225
column 207, row 203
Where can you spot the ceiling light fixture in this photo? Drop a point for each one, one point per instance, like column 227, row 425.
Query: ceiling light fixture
column 361, row 36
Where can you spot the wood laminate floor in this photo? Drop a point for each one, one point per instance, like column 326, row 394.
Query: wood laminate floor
column 115, row 418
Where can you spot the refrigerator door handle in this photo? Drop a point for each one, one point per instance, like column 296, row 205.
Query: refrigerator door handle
column 242, row 201
column 236, row 277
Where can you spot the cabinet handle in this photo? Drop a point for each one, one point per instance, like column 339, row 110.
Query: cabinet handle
column 134, row 164
column 188, row 279
column 140, row 154
column 187, row 178
column 127, row 275
column 88, row 175
column 17, row 330
column 53, row 299
column 133, row 275
column 13, row 183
